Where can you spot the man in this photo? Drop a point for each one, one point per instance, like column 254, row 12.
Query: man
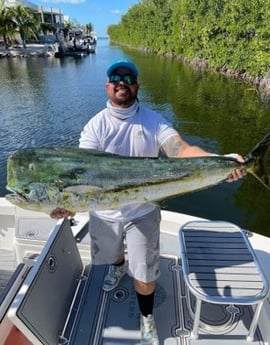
column 127, row 128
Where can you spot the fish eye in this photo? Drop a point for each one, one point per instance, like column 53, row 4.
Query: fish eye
column 25, row 190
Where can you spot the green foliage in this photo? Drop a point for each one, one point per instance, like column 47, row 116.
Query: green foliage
column 17, row 19
column 89, row 28
column 25, row 21
column 7, row 25
column 47, row 27
column 228, row 34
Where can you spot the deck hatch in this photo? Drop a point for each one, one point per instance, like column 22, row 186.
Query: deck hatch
column 49, row 287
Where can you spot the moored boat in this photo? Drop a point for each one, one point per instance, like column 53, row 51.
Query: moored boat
column 55, row 296
column 77, row 45
column 80, row 49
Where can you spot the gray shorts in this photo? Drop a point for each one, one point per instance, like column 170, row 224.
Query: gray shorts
column 141, row 236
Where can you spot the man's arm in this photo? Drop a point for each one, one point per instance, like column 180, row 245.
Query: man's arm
column 175, row 146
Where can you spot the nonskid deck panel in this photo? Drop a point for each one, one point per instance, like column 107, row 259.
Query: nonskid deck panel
column 113, row 318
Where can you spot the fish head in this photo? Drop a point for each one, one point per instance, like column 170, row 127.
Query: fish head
column 46, row 197
column 38, row 179
column 35, row 196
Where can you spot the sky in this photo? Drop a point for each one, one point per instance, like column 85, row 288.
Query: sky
column 101, row 13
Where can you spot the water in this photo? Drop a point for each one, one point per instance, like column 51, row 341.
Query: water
column 46, row 102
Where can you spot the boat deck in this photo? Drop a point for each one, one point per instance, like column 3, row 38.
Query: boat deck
column 113, row 318
column 102, row 318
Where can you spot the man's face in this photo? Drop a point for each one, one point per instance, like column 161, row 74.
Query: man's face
column 122, row 90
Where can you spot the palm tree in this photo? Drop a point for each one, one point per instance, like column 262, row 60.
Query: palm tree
column 7, row 25
column 26, row 22
column 89, row 28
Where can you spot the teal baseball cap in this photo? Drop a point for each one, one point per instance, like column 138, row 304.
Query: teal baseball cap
column 122, row 63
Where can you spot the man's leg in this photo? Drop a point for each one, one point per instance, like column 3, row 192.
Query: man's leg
column 107, row 248
column 143, row 252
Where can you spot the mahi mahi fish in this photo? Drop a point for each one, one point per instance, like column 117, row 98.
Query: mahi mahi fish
column 78, row 180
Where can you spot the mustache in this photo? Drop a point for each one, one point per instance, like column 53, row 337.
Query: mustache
column 122, row 86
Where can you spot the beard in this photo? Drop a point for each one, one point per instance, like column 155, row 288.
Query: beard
column 123, row 96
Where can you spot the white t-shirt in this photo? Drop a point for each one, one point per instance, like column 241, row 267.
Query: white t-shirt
column 139, row 133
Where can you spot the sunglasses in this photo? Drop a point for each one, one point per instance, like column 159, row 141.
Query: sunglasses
column 126, row 78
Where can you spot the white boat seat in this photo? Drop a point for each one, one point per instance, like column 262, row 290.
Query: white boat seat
column 220, row 267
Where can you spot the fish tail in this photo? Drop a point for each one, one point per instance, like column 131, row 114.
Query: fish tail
column 257, row 156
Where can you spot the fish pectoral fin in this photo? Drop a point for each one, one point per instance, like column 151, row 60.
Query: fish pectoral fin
column 83, row 189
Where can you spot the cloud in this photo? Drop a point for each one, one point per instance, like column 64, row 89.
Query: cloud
column 73, row 2
column 117, row 12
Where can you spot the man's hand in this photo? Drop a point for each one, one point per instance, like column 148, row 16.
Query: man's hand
column 236, row 174
column 59, row 213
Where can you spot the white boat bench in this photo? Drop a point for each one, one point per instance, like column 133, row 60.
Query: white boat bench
column 220, row 267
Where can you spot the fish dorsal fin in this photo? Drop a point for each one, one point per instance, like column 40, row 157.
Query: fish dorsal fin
column 83, row 189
